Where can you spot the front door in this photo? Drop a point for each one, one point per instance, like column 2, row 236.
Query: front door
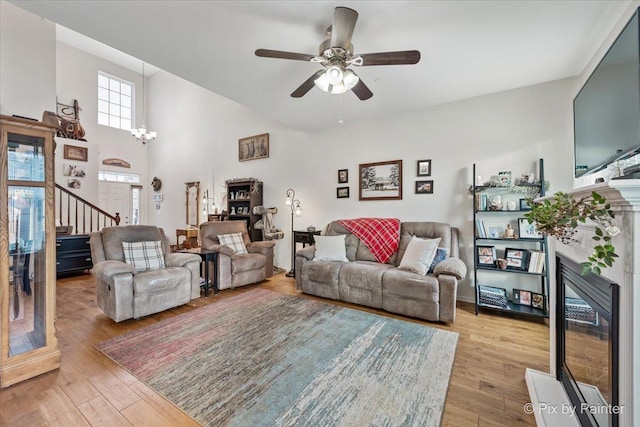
column 115, row 197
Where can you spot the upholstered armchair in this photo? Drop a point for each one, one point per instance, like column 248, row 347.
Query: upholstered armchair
column 137, row 276
column 230, row 239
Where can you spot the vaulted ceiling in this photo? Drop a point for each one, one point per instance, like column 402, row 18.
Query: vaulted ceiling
column 468, row 48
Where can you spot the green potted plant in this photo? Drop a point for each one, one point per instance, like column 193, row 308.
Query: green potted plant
column 560, row 215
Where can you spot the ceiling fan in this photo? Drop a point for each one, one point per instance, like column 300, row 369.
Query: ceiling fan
column 336, row 55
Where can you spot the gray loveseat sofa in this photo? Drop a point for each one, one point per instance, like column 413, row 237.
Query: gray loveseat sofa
column 365, row 281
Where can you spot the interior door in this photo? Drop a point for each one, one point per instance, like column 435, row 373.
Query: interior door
column 116, row 197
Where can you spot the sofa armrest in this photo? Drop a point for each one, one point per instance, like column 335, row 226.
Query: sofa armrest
column 105, row 270
column 309, row 253
column 221, row 249
column 178, row 259
column 451, row 266
column 264, row 247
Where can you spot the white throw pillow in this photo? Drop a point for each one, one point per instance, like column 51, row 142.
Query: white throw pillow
column 330, row 248
column 143, row 256
column 419, row 255
column 234, row 241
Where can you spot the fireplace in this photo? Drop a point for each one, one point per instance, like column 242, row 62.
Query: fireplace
column 587, row 343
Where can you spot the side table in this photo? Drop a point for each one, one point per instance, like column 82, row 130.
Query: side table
column 190, row 234
column 304, row 237
column 206, row 256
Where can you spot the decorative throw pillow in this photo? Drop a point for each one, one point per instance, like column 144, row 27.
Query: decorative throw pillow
column 441, row 255
column 419, row 255
column 234, row 241
column 144, row 256
column 330, row 248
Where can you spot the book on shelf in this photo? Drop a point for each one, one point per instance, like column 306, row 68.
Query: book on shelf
column 481, row 231
column 536, row 261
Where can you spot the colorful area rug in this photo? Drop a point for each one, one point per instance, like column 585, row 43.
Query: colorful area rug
column 266, row 359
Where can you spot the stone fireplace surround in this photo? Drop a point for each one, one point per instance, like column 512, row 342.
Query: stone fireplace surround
column 545, row 391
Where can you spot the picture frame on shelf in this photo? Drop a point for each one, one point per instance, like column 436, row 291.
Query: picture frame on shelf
column 342, row 192
column 343, row 176
column 527, row 230
column 424, row 187
column 522, row 297
column 380, row 180
column 516, row 258
column 524, row 205
column 423, row 167
column 537, row 300
column 73, row 152
column 486, row 256
column 493, row 233
column 491, row 296
column 253, row 147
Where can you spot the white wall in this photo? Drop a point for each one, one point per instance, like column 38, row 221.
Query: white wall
column 27, row 58
column 199, row 133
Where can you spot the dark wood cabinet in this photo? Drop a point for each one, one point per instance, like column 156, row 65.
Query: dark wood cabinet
column 73, row 254
column 242, row 197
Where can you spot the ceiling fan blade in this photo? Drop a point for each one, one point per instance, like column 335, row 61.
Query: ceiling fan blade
column 362, row 91
column 306, row 86
column 391, row 58
column 268, row 53
column 344, row 21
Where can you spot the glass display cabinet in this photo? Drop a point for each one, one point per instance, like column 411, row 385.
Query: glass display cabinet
column 28, row 343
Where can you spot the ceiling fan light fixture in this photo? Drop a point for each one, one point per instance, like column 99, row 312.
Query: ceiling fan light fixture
column 334, row 75
column 350, row 79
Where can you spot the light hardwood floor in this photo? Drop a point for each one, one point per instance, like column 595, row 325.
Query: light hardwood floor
column 487, row 384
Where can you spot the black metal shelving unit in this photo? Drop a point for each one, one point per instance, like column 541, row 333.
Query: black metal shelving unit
column 483, row 274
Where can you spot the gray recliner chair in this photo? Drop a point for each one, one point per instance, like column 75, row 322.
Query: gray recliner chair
column 237, row 269
column 124, row 293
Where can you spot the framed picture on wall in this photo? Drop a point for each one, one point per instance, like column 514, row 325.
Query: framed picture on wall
column 424, row 187
column 253, row 147
column 72, row 152
column 342, row 192
column 380, row 181
column 343, row 176
column 424, row 167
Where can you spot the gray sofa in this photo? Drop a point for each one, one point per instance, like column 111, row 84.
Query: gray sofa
column 365, row 281
column 124, row 293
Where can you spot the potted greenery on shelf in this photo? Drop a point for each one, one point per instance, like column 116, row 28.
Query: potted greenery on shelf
column 560, row 215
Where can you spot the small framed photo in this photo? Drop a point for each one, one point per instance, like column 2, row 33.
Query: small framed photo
column 424, row 187
column 522, row 297
column 524, row 205
column 74, row 183
column 424, row 167
column 342, row 192
column 253, row 147
column 71, row 169
column 537, row 300
column 343, row 176
column 527, row 230
column 486, row 256
column 516, row 258
column 494, row 233
column 72, row 152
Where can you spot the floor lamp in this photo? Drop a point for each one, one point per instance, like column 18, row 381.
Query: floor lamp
column 294, row 205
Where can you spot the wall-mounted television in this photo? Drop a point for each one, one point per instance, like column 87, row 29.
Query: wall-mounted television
column 606, row 111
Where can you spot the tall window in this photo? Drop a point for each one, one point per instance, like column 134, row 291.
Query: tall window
column 115, row 102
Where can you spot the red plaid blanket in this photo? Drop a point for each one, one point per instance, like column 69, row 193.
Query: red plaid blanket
column 380, row 235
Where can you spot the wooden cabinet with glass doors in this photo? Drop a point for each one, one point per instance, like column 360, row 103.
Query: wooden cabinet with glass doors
column 28, row 345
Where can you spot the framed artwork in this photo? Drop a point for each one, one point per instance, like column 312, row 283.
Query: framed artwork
column 522, row 297
column 70, row 169
column 516, row 258
column 524, row 205
column 486, row 256
column 72, row 152
column 537, row 300
column 74, row 183
column 424, row 187
column 424, row 167
column 343, row 176
column 253, row 147
column 380, row 181
column 526, row 230
column 116, row 162
column 342, row 192
column 494, row 233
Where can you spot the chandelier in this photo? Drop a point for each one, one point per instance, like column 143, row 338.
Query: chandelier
column 141, row 134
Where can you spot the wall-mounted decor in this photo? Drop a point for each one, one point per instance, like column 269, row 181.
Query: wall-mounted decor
column 424, row 167
column 72, row 152
column 381, row 180
column 156, row 183
column 424, row 187
column 69, row 121
column 71, row 169
column 116, row 162
column 342, row 192
column 253, row 147
column 74, row 183
column 343, row 176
